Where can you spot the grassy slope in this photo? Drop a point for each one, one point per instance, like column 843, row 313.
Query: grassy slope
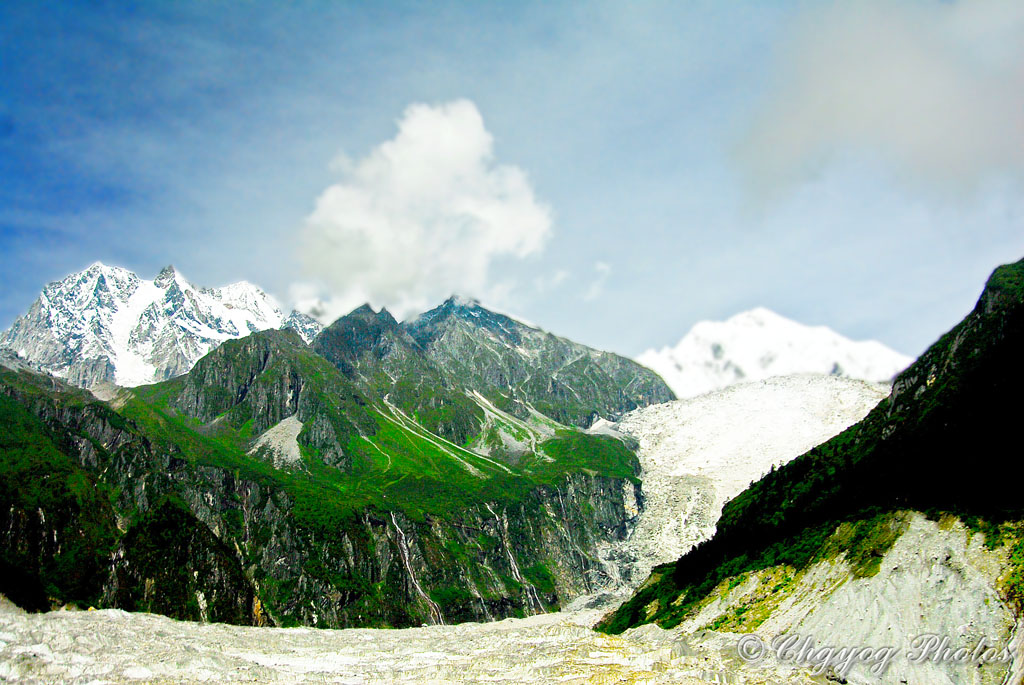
column 396, row 464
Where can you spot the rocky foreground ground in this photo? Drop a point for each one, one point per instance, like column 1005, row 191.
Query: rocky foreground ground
column 112, row 646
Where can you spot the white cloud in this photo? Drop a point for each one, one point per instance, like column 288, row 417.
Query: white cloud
column 596, row 288
column 422, row 216
column 935, row 89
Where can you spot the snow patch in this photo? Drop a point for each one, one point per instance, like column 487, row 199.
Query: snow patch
column 605, row 427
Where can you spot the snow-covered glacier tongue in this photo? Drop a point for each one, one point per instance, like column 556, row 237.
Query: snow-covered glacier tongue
column 698, row 453
column 107, row 325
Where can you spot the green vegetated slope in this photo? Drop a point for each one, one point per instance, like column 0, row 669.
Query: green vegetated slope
column 388, row 508
column 390, row 459
column 62, row 555
column 67, row 467
column 943, row 441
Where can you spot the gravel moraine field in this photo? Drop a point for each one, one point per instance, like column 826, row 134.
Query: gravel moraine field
column 112, row 646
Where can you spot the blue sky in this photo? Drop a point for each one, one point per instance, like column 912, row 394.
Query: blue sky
column 628, row 168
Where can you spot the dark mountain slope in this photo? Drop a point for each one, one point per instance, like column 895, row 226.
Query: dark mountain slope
column 68, row 468
column 375, row 353
column 518, row 367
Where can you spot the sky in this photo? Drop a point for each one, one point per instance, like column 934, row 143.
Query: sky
column 612, row 172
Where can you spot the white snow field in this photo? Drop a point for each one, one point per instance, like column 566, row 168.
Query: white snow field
column 759, row 344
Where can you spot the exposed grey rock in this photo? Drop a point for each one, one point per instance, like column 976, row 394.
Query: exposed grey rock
column 937, row 579
column 305, row 325
column 500, row 357
column 114, row 646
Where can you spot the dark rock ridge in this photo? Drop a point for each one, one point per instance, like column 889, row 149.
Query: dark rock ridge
column 522, row 367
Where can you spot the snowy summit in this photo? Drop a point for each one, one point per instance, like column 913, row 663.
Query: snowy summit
column 105, row 324
column 760, row 344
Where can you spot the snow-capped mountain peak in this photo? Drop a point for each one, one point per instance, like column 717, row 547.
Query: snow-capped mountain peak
column 759, row 344
column 105, row 324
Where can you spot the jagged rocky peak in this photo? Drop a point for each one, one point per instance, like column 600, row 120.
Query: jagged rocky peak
column 104, row 324
column 455, row 305
column 461, row 304
column 366, row 311
column 528, row 369
column 385, row 315
column 98, row 282
column 433, row 324
column 305, row 325
column 166, row 276
column 365, row 316
column 365, row 334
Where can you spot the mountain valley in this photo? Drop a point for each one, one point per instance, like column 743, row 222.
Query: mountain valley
column 464, row 467
column 357, row 480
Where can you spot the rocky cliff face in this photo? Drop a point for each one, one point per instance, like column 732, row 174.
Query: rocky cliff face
column 170, row 563
column 382, row 568
column 167, row 477
column 520, row 368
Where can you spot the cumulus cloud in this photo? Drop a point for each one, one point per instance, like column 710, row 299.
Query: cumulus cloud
column 423, row 215
column 935, row 89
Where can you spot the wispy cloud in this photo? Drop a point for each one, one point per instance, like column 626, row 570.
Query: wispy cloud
column 935, row 89
column 422, row 216
column 548, row 282
column 596, row 289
